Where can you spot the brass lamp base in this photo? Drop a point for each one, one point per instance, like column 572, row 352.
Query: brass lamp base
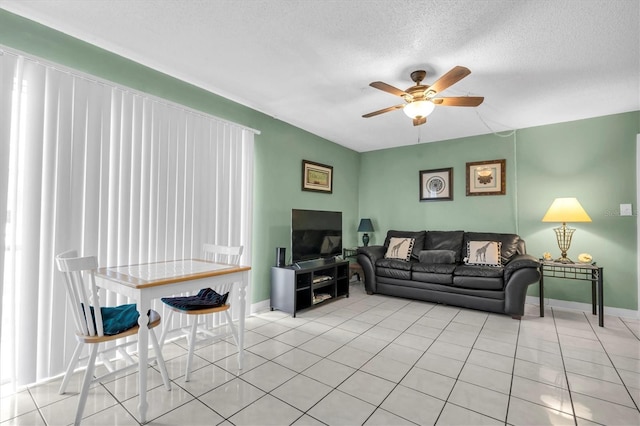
column 563, row 235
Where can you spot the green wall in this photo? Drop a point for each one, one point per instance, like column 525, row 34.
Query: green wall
column 398, row 187
column 279, row 149
column 593, row 160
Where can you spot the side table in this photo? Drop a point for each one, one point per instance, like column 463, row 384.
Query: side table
column 576, row 271
column 349, row 252
column 354, row 267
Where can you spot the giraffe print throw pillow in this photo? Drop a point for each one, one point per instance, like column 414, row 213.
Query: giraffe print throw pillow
column 483, row 253
column 400, row 248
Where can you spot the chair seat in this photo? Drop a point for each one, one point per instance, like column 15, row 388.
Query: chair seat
column 206, row 299
column 154, row 321
column 203, row 311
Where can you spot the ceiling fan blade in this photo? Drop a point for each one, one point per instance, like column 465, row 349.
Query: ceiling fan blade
column 465, row 101
column 389, row 89
column 456, row 74
column 371, row 114
column 420, row 120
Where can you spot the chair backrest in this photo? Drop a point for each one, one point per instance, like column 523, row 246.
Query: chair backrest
column 223, row 254
column 82, row 295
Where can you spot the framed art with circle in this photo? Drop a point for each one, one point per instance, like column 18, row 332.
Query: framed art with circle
column 436, row 184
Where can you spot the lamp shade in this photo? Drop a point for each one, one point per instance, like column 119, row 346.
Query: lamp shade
column 566, row 210
column 365, row 225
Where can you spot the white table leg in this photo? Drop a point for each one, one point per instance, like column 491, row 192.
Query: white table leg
column 243, row 310
column 143, row 357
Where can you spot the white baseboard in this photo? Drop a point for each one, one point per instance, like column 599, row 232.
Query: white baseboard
column 585, row 307
column 260, row 306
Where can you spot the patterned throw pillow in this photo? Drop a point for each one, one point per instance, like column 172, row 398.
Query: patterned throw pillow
column 400, row 248
column 483, row 253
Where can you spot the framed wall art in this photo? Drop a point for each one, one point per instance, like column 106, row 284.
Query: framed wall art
column 436, row 184
column 317, row 177
column 486, row 177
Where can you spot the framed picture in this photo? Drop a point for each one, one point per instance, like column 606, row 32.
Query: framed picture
column 486, row 178
column 436, row 184
column 317, row 177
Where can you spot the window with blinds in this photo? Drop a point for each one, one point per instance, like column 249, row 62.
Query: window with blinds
column 109, row 171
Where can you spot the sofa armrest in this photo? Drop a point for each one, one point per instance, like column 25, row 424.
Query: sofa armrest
column 517, row 262
column 367, row 258
column 520, row 272
column 372, row 252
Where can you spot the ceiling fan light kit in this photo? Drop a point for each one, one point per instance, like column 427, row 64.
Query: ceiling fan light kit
column 420, row 99
column 417, row 109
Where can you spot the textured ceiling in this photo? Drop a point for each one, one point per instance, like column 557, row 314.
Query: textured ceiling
column 309, row 63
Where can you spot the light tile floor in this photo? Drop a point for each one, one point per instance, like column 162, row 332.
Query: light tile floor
column 379, row 360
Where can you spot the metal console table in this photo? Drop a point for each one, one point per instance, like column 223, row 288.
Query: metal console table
column 350, row 252
column 576, row 271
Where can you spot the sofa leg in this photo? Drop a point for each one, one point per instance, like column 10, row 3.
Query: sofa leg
column 516, row 317
column 369, row 292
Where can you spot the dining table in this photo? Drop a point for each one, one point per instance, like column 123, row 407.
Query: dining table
column 144, row 282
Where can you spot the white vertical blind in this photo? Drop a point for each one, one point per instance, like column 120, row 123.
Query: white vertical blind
column 87, row 165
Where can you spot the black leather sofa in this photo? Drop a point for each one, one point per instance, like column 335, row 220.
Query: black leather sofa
column 440, row 269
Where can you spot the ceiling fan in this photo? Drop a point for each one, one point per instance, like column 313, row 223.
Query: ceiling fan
column 420, row 99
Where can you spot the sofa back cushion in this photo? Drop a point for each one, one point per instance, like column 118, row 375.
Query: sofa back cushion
column 437, row 256
column 418, row 240
column 509, row 247
column 445, row 240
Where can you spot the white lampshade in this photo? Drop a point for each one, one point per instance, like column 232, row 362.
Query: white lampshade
column 566, row 210
column 419, row 109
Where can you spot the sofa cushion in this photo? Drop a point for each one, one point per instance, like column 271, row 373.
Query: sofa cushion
column 418, row 236
column 400, row 248
column 478, row 271
column 426, row 277
column 434, row 268
column 478, row 283
column 445, row 240
column 393, row 268
column 478, row 277
column 510, row 242
column 483, row 253
column 437, row 273
column 437, row 256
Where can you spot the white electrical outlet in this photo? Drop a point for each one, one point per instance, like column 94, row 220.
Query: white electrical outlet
column 625, row 210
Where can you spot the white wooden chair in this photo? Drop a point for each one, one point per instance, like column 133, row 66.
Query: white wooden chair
column 201, row 331
column 100, row 327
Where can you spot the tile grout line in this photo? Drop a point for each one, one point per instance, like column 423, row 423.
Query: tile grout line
column 564, row 368
column 513, row 373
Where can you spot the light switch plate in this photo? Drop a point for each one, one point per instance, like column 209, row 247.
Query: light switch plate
column 625, row 210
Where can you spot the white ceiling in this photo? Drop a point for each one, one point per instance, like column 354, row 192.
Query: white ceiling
column 309, row 63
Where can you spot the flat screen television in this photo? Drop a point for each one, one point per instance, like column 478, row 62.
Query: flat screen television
column 315, row 234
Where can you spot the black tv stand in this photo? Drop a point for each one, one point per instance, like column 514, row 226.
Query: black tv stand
column 307, row 284
column 304, row 264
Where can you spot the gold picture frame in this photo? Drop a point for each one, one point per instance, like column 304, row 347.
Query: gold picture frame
column 317, row 177
column 436, row 184
column 486, row 177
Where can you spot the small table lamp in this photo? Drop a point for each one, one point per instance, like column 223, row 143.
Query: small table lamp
column 565, row 210
column 365, row 226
